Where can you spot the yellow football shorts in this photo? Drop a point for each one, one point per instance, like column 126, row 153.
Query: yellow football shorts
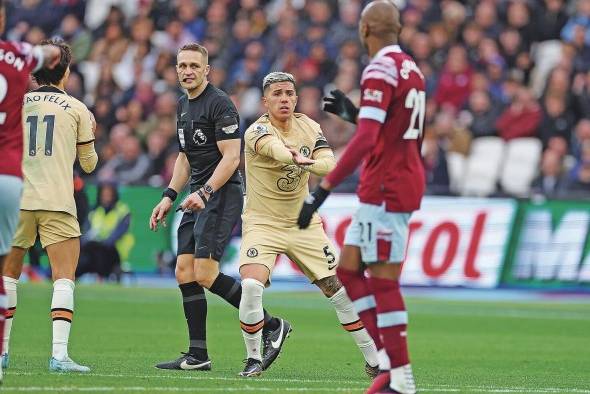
column 310, row 249
column 51, row 226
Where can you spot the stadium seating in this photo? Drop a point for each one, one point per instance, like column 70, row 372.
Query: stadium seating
column 456, row 163
column 520, row 165
column 483, row 166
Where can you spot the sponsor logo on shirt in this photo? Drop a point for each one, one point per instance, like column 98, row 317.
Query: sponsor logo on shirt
column 373, row 95
column 407, row 67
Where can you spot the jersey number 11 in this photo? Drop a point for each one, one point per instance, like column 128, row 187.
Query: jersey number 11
column 32, row 121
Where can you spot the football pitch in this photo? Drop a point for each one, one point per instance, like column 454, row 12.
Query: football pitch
column 456, row 346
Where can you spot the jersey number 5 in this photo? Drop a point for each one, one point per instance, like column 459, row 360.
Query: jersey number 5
column 416, row 100
column 32, row 121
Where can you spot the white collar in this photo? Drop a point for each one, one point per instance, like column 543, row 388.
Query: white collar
column 390, row 48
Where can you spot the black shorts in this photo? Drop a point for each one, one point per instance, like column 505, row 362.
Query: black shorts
column 206, row 233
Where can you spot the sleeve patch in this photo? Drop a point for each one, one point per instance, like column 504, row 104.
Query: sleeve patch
column 260, row 130
column 373, row 95
column 321, row 142
column 230, row 129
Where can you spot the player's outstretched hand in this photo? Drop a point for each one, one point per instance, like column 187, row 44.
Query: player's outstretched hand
column 159, row 213
column 341, row 106
column 310, row 205
column 299, row 159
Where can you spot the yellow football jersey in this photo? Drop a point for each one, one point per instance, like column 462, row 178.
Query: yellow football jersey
column 275, row 191
column 54, row 123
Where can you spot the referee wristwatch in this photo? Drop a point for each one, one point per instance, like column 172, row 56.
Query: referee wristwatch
column 208, row 189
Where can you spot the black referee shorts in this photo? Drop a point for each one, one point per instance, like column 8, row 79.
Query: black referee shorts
column 206, row 233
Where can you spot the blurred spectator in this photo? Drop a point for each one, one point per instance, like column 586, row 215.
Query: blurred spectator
column 454, row 83
column 518, row 17
column 129, row 167
column 476, row 57
column 579, row 182
column 557, row 121
column 551, row 182
column 108, row 241
column 435, row 165
column 79, row 38
column 550, row 20
column 581, row 90
column 81, row 199
column 487, row 18
column 347, row 29
column 582, row 136
column 481, row 115
column 451, row 136
column 521, row 118
column 158, row 148
column 581, row 18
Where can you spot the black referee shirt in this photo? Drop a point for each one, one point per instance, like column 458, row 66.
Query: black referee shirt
column 201, row 122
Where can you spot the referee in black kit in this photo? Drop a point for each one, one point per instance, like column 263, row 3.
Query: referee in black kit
column 209, row 153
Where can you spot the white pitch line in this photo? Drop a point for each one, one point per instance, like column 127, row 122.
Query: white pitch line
column 169, row 389
column 493, row 389
column 246, row 388
column 361, row 385
column 201, row 377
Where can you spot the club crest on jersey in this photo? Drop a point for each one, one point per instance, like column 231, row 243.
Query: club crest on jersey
column 260, row 129
column 199, row 137
column 230, row 129
column 305, row 151
column 252, row 252
column 373, row 95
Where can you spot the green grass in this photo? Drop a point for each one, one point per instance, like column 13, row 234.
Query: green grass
column 456, row 346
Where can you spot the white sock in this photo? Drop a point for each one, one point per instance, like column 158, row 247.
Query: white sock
column 252, row 316
column 402, row 380
column 352, row 323
column 384, row 362
column 62, row 311
column 10, row 288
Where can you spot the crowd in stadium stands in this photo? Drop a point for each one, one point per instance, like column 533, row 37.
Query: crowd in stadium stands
column 497, row 71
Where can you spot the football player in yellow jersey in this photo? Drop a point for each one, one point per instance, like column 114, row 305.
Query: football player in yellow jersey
column 282, row 149
column 57, row 128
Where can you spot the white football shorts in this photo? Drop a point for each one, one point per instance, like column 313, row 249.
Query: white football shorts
column 10, row 193
column 382, row 236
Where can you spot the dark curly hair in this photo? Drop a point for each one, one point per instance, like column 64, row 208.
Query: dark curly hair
column 52, row 77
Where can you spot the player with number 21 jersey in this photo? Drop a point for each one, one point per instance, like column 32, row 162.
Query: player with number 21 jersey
column 392, row 89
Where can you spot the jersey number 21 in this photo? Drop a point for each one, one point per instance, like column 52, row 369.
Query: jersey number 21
column 416, row 100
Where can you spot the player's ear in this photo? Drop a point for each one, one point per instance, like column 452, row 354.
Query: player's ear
column 363, row 30
column 2, row 19
column 207, row 69
column 265, row 102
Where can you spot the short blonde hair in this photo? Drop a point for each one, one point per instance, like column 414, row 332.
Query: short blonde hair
column 193, row 46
